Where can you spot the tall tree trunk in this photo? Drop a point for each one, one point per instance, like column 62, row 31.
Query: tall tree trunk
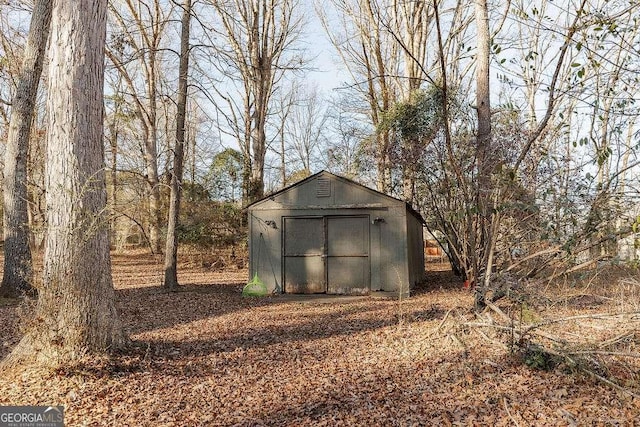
column 247, row 159
column 484, row 244
column 171, row 251
column 259, row 139
column 75, row 310
column 262, row 82
column 191, row 137
column 152, row 156
column 113, row 172
column 114, row 125
column 283, row 160
column 153, row 184
column 17, row 260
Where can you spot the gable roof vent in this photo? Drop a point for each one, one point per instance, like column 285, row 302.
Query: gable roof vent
column 323, row 187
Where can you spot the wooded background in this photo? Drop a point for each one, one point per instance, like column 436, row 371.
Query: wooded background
column 511, row 126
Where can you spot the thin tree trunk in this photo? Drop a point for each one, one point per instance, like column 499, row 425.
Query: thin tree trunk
column 17, row 260
column 483, row 106
column 152, row 157
column 113, row 169
column 153, row 183
column 256, row 184
column 246, row 150
column 191, row 137
column 483, row 227
column 283, row 162
column 171, row 251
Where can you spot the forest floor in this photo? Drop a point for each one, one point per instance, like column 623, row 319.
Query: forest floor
column 208, row 356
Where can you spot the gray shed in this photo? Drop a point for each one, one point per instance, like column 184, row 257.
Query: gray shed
column 328, row 234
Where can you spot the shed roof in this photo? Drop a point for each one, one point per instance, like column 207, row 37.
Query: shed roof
column 325, row 173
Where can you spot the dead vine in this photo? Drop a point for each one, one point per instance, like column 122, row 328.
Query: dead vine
column 606, row 359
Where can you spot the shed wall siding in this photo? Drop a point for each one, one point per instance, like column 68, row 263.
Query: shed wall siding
column 415, row 242
column 265, row 251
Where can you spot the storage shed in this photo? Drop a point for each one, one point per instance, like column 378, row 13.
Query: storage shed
column 328, row 234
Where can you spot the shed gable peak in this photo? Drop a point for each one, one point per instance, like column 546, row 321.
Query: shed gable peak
column 327, row 190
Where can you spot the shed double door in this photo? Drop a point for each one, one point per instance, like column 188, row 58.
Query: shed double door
column 327, row 254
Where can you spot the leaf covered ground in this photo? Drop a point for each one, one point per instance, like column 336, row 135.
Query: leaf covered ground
column 208, row 356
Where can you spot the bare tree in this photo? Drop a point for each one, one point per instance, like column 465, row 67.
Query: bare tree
column 171, row 252
column 17, row 259
column 286, row 101
column 11, row 42
column 75, row 311
column 259, row 48
column 370, row 55
column 483, row 231
column 305, row 128
column 141, row 28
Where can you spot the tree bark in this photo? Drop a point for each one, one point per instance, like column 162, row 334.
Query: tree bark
column 171, row 251
column 482, row 247
column 75, row 314
column 483, row 104
column 114, row 126
column 151, row 160
column 17, row 260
